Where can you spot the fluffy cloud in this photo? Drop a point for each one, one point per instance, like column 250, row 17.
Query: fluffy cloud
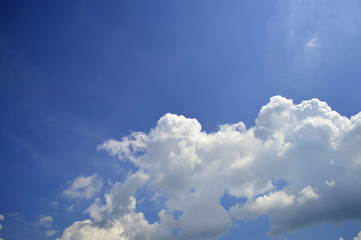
column 311, row 148
column 84, row 187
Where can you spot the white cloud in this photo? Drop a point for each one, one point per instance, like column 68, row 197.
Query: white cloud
column 120, row 200
column 358, row 237
column 87, row 230
column 312, row 43
column 45, row 221
column 193, row 169
column 263, row 205
column 306, row 194
column 2, row 218
column 50, row 233
column 84, row 187
column 330, row 183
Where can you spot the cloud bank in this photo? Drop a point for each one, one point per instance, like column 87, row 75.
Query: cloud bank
column 299, row 165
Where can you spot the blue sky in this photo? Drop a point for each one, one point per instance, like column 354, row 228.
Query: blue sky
column 85, row 88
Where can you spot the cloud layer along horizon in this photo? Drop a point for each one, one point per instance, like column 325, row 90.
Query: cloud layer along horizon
column 299, row 165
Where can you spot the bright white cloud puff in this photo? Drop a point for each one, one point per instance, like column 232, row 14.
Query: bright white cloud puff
column 310, row 147
column 84, row 187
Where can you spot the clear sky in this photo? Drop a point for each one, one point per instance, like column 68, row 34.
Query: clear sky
column 194, row 119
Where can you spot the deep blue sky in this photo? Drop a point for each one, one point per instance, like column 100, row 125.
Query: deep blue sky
column 76, row 73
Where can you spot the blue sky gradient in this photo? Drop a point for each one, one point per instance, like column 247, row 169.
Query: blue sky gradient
column 74, row 74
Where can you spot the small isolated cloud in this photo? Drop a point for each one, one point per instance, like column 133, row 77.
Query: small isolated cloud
column 313, row 42
column 84, row 187
column 50, row 233
column 330, row 183
column 45, row 221
column 194, row 169
column 54, row 203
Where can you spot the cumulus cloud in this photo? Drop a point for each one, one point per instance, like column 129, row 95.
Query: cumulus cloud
column 84, row 187
column 308, row 146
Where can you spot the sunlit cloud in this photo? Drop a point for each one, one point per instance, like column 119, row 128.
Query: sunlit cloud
column 193, row 169
column 84, row 187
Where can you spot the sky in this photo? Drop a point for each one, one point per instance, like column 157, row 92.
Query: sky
column 180, row 120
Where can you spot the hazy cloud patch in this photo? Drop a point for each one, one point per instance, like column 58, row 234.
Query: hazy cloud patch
column 84, row 187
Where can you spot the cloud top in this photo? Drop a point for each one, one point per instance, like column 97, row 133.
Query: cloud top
column 310, row 147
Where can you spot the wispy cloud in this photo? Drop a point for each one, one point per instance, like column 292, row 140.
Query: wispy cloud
column 45, row 221
column 84, row 187
column 313, row 42
column 50, row 233
column 194, row 169
column 300, row 25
